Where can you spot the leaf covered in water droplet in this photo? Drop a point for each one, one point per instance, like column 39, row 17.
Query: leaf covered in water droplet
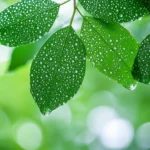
column 115, row 10
column 141, row 68
column 110, row 48
column 26, row 21
column 58, row 70
column 146, row 4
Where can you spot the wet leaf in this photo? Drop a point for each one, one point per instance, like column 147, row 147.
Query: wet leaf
column 111, row 49
column 26, row 21
column 141, row 69
column 115, row 10
column 58, row 70
column 146, row 4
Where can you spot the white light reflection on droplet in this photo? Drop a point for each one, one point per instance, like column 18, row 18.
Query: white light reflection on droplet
column 133, row 87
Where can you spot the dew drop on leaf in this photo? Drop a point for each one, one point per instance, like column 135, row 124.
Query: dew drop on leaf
column 115, row 10
column 141, row 68
column 110, row 57
column 64, row 73
column 26, row 21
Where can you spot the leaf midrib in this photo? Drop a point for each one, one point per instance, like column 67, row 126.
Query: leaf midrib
column 59, row 56
column 27, row 18
column 130, row 69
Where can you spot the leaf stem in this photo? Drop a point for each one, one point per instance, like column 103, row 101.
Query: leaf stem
column 79, row 11
column 74, row 11
column 64, row 2
column 74, row 3
column 72, row 16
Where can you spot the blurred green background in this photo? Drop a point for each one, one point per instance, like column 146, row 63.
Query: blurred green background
column 102, row 116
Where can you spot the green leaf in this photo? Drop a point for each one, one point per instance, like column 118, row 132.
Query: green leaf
column 22, row 54
column 26, row 21
column 58, row 70
column 146, row 4
column 141, row 69
column 111, row 49
column 115, row 10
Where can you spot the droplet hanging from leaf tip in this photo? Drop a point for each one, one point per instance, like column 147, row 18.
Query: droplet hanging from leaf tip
column 132, row 87
column 47, row 113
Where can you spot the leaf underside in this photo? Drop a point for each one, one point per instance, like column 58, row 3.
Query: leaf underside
column 111, row 49
column 26, row 21
column 58, row 70
column 115, row 10
column 141, row 69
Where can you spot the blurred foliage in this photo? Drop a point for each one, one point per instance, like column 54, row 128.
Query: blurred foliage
column 23, row 127
column 22, row 54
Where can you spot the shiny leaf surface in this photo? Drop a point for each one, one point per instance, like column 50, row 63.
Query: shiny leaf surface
column 26, row 21
column 111, row 49
column 141, row 69
column 115, row 10
column 58, row 70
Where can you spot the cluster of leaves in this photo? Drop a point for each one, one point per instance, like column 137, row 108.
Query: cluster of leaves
column 59, row 67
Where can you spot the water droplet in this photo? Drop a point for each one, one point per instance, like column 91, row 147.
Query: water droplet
column 132, row 87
